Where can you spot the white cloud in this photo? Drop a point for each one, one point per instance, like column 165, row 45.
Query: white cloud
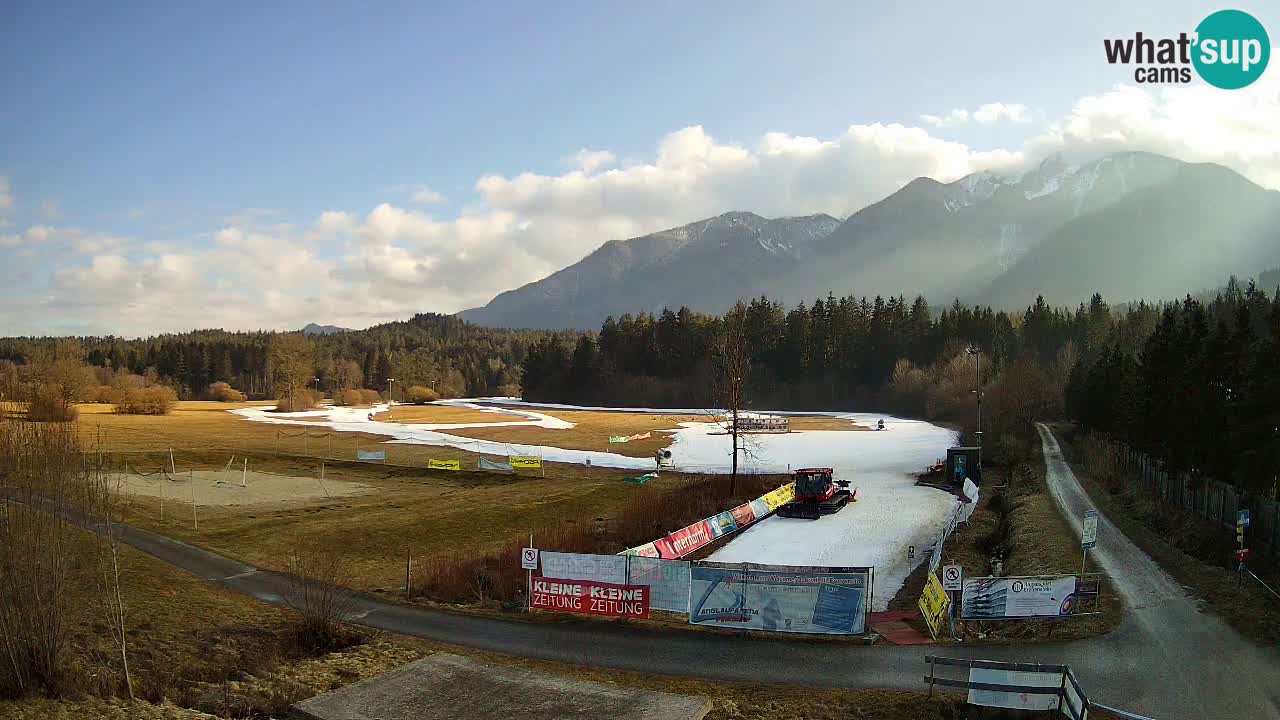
column 355, row 267
column 986, row 115
column 423, row 195
column 135, row 213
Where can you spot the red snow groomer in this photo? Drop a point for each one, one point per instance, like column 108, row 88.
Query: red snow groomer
column 818, row 493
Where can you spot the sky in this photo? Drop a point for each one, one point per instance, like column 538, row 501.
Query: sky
column 168, row 166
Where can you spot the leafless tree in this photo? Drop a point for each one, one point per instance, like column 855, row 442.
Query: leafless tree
column 38, row 552
column 292, row 359
column 732, row 373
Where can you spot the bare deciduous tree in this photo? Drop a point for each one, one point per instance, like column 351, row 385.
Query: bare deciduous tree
column 292, row 359
column 733, row 370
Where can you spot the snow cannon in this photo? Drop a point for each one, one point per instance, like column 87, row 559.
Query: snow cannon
column 818, row 493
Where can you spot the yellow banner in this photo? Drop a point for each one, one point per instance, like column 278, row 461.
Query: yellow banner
column 444, row 464
column 933, row 604
column 777, row 498
column 525, row 461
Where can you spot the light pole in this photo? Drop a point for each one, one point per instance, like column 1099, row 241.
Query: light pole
column 317, row 387
column 977, row 391
column 391, row 395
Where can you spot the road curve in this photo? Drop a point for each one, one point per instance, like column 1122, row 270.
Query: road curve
column 1166, row 660
column 1208, row 669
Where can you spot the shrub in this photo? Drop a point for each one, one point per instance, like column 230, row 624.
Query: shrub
column 48, row 405
column 300, row 399
column 370, row 397
column 102, row 394
column 154, row 400
column 419, row 395
column 222, row 392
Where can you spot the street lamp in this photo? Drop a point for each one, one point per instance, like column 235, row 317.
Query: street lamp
column 317, row 386
column 391, row 395
column 977, row 391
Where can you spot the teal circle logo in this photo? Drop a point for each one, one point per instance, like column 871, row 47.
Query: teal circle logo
column 1232, row 49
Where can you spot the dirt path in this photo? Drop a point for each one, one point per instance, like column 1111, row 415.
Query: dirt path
column 1210, row 670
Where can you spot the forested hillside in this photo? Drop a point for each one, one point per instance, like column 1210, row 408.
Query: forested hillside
column 455, row 356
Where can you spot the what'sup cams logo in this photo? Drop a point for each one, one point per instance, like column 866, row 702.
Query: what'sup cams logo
column 1229, row 50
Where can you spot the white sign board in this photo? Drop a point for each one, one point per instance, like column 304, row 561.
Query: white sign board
column 1014, row 700
column 952, row 577
column 529, row 559
column 1089, row 537
column 995, row 597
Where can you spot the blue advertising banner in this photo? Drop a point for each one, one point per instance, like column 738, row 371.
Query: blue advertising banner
column 371, row 455
column 779, row 598
column 722, row 524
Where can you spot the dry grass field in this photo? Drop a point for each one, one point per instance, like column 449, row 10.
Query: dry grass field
column 399, row 510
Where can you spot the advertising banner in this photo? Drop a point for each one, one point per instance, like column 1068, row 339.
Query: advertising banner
column 743, row 515
column 497, row 466
column 828, row 601
column 1014, row 700
column 525, row 461
column 444, row 464
column 667, row 580
column 648, row 550
column 722, row 524
column 590, row 598
column 579, row 566
column 777, row 498
column 1018, row 597
column 933, row 604
column 685, row 540
column 371, row 455
column 618, row 439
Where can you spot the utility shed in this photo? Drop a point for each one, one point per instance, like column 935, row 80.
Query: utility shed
column 444, row 686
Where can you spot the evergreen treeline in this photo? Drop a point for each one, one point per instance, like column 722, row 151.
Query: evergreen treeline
column 455, row 356
column 837, row 353
column 1201, row 392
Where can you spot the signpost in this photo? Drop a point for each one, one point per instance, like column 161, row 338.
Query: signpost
column 1242, row 522
column 529, row 563
column 1088, row 537
column 952, row 577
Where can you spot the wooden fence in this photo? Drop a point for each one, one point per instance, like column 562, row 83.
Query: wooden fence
column 1214, row 501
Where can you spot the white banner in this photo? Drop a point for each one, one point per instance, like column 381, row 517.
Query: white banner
column 1016, row 701
column 779, row 598
column 1018, row 597
column 667, row 580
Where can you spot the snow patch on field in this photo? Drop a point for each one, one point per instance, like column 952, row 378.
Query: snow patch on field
column 891, row 513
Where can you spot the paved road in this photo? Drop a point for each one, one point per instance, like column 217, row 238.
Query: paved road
column 1199, row 667
column 1166, row 660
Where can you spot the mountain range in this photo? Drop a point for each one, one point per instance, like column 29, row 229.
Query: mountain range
column 1128, row 225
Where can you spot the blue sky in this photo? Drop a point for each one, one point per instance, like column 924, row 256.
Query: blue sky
column 166, row 122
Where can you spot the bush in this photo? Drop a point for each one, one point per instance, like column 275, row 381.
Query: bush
column 303, row 399
column 47, row 405
column 353, row 397
column 419, row 395
column 101, row 394
column 222, row 392
column 154, row 400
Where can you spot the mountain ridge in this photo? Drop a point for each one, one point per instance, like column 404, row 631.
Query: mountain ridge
column 1060, row 229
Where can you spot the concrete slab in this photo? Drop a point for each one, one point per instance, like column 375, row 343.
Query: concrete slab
column 444, row 686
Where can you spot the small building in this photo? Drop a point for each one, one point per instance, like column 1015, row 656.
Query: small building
column 758, row 423
column 964, row 462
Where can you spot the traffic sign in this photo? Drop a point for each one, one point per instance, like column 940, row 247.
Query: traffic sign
column 911, row 552
column 529, row 559
column 952, row 577
column 1089, row 536
column 1242, row 519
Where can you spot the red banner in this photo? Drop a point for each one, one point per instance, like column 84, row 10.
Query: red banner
column 685, row 540
column 590, row 598
column 743, row 515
